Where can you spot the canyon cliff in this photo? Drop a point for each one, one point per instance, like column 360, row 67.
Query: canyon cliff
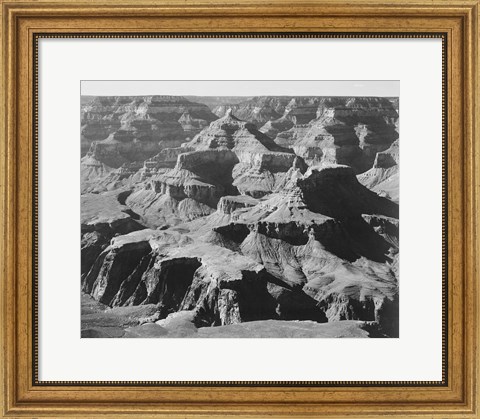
column 265, row 211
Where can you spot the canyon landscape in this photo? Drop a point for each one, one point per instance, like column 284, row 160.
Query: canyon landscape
column 239, row 216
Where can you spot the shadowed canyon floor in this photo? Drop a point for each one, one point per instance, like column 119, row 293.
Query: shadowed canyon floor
column 229, row 217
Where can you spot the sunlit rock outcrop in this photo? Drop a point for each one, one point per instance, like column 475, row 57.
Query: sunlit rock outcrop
column 275, row 212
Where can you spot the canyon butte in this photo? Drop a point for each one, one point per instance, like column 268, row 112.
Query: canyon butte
column 273, row 216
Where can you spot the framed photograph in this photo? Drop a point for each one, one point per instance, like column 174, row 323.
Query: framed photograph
column 239, row 209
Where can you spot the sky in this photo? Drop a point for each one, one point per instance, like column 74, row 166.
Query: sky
column 388, row 88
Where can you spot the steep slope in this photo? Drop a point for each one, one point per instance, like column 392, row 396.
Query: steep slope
column 317, row 235
column 227, row 158
column 351, row 133
column 307, row 252
column 118, row 131
column 103, row 115
column 383, row 178
column 227, row 223
column 257, row 110
column 103, row 216
column 262, row 109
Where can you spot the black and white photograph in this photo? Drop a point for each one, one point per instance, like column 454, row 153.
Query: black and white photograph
column 254, row 215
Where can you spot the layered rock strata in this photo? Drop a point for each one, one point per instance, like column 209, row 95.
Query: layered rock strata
column 229, row 224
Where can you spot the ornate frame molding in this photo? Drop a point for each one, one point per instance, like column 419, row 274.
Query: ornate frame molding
column 24, row 21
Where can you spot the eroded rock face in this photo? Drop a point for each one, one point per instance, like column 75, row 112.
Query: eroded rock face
column 111, row 269
column 257, row 110
column 103, row 115
column 103, row 217
column 341, row 130
column 383, row 178
column 336, row 192
column 297, row 220
column 274, row 127
column 349, row 131
column 230, row 157
column 119, row 131
column 309, row 252
column 228, row 204
column 147, row 271
column 275, row 110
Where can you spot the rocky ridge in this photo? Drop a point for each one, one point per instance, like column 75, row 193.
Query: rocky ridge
column 117, row 131
column 236, row 226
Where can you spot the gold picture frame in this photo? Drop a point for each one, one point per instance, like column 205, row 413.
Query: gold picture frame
column 25, row 22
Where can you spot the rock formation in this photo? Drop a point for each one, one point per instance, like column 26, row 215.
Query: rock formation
column 117, row 131
column 295, row 221
column 257, row 110
column 383, row 177
column 227, row 158
column 103, row 115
